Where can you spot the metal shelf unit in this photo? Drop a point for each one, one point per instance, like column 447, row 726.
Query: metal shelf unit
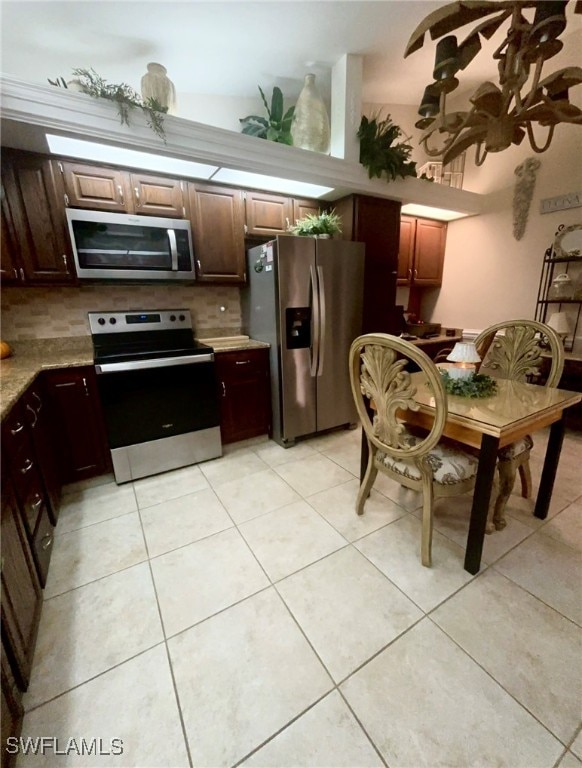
column 544, row 303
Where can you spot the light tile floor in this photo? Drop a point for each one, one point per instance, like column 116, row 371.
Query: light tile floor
column 239, row 613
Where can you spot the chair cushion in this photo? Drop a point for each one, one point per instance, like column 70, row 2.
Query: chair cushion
column 449, row 464
column 513, row 450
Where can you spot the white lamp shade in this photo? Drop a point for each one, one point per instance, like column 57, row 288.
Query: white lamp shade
column 559, row 322
column 464, row 352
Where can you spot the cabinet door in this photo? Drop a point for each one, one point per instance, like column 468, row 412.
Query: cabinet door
column 12, row 709
column 218, row 232
column 81, row 440
column 43, row 433
column 157, row 196
column 38, row 214
column 21, row 594
column 8, row 255
column 302, row 207
column 406, row 249
column 96, row 187
column 267, row 214
column 245, row 400
column 429, row 252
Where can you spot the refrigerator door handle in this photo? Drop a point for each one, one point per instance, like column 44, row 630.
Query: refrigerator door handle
column 322, row 320
column 316, row 321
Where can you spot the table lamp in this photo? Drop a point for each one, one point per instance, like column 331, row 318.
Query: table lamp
column 464, row 355
column 561, row 325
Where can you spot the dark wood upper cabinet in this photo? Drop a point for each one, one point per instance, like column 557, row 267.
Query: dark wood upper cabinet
column 245, row 394
column 8, row 259
column 157, row 196
column 267, row 214
column 218, row 231
column 422, row 251
column 406, row 249
column 96, row 187
column 302, row 207
column 21, row 594
column 429, row 252
column 375, row 222
column 35, row 201
column 74, row 401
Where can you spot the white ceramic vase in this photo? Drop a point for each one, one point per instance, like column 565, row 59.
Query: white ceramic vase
column 310, row 128
column 156, row 84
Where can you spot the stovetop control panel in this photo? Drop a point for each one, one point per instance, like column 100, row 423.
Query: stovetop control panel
column 130, row 322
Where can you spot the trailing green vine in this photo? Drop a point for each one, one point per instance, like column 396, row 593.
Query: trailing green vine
column 476, row 385
column 123, row 95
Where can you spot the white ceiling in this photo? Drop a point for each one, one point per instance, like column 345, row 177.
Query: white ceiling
column 228, row 48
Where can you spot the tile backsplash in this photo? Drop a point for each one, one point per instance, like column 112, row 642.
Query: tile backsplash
column 32, row 313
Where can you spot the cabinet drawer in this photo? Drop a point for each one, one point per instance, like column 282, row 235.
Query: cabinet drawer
column 43, row 544
column 25, row 476
column 243, row 363
column 14, row 433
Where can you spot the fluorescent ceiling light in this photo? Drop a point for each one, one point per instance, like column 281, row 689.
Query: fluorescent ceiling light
column 104, row 153
column 412, row 209
column 272, row 183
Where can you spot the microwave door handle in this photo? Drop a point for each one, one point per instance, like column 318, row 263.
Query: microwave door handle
column 173, row 249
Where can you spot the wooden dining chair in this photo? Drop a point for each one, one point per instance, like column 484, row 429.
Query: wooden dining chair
column 381, row 385
column 515, row 350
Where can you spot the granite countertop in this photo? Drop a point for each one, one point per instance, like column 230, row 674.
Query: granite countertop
column 233, row 343
column 31, row 357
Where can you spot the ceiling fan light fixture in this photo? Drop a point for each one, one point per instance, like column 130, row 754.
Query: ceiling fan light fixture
column 522, row 99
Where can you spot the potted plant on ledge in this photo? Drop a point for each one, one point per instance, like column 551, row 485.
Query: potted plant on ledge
column 323, row 225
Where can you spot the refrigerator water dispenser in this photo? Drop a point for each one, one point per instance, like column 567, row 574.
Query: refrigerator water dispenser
column 298, row 327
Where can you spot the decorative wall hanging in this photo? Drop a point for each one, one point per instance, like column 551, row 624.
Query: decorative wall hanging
column 523, row 194
column 500, row 115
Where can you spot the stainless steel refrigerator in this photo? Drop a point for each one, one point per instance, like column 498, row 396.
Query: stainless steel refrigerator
column 304, row 297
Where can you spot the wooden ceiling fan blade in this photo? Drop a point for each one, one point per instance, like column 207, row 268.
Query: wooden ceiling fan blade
column 488, row 98
column 446, row 19
column 562, row 80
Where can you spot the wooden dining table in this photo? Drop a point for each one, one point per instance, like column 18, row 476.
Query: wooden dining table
column 488, row 424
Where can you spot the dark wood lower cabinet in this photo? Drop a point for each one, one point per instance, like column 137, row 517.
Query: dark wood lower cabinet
column 12, row 711
column 21, row 592
column 245, row 394
column 81, row 442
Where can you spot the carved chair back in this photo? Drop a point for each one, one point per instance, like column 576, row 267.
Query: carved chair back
column 517, row 353
column 379, row 380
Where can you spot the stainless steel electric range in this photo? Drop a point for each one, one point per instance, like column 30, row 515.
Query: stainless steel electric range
column 158, row 390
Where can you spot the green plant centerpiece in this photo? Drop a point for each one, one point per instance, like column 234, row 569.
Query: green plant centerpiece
column 123, row 95
column 475, row 385
column 276, row 126
column 380, row 153
column 325, row 223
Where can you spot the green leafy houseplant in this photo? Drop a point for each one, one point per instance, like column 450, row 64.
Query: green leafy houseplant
column 326, row 223
column 124, row 97
column 378, row 151
column 476, row 385
column 278, row 125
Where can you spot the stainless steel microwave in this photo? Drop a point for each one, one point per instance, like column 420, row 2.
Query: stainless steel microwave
column 119, row 246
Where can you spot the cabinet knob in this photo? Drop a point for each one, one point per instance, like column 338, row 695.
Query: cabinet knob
column 18, row 428
column 410, row 274
column 121, row 198
column 46, row 541
column 242, row 362
column 223, row 388
column 37, row 503
column 415, row 273
column 136, row 191
column 21, row 273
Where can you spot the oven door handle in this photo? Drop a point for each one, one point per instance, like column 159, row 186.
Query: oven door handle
column 163, row 362
column 173, row 249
